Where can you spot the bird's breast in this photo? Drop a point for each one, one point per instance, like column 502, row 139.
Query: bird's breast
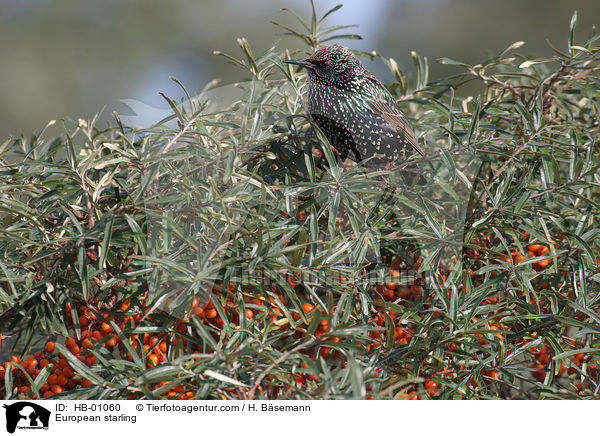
column 346, row 108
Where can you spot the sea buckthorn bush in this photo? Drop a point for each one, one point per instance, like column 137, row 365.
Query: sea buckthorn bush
column 214, row 255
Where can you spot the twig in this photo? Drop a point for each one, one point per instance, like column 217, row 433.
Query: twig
column 277, row 361
column 181, row 132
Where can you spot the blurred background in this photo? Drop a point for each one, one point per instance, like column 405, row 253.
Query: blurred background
column 70, row 58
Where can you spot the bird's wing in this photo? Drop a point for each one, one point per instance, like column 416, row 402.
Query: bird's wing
column 386, row 107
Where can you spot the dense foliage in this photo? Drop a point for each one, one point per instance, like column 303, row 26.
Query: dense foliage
column 222, row 253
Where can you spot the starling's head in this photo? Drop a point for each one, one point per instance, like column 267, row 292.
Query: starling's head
column 334, row 63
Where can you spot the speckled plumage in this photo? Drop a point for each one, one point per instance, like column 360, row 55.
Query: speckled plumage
column 355, row 111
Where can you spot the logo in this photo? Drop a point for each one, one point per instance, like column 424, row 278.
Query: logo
column 26, row 415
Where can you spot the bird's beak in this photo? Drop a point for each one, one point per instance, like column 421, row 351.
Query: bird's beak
column 302, row 62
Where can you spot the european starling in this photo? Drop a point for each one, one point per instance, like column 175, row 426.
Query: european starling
column 354, row 110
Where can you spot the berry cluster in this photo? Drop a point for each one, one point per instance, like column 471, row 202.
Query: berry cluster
column 398, row 320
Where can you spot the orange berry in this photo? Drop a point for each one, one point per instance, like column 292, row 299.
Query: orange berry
column 44, row 363
column 105, row 328
column 493, row 374
column 153, row 360
column 86, row 383
column 543, row 358
column 62, row 380
column 196, row 301
column 517, row 256
column 68, row 372
column 249, row 314
column 389, row 293
column 431, row 385
column 543, row 250
column 413, row 396
column 49, row 347
column 307, row 307
column 198, row 311
column 24, row 389
column 404, row 293
column 47, row 394
column 218, row 322
column 539, row 375
column 323, row 324
column 97, row 335
column 415, row 291
column 162, row 346
column 52, row 379
column 498, row 335
column 70, row 343
column 535, row 247
column 544, row 263
column 56, row 389
column 86, row 343
column 393, row 284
